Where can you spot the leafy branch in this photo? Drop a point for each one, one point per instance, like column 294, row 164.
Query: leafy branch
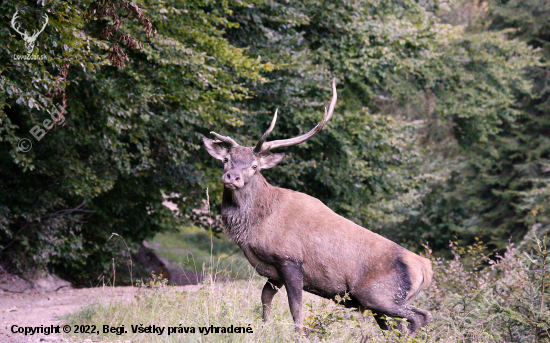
column 110, row 9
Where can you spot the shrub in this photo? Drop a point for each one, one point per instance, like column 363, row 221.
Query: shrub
column 477, row 297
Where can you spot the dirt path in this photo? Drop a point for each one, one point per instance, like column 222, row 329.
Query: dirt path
column 36, row 309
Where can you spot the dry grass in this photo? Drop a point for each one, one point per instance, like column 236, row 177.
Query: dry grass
column 222, row 305
column 472, row 299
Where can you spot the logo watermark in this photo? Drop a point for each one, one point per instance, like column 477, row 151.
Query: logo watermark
column 38, row 131
column 30, row 57
column 30, row 40
column 24, row 145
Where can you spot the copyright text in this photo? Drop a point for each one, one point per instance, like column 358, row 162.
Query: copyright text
column 139, row 329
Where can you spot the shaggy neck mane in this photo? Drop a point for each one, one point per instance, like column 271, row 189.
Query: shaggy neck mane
column 243, row 209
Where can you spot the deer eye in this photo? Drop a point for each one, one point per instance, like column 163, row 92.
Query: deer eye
column 225, row 160
column 254, row 167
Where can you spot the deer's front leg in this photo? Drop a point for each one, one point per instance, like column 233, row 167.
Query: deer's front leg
column 270, row 289
column 292, row 275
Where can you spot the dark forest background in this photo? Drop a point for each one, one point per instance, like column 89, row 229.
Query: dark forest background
column 441, row 131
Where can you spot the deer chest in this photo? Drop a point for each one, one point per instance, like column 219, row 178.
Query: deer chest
column 260, row 263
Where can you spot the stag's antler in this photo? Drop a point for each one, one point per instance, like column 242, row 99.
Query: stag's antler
column 13, row 25
column 42, row 29
column 263, row 147
column 258, row 147
column 225, row 139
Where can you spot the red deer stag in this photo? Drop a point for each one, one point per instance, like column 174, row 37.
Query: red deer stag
column 295, row 240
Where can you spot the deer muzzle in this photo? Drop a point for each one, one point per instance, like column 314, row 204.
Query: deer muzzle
column 233, row 179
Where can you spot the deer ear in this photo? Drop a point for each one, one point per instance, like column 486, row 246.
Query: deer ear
column 215, row 148
column 271, row 160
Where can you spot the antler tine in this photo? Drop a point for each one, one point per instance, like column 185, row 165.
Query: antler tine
column 43, row 27
column 300, row 139
column 225, row 139
column 258, row 148
column 13, row 23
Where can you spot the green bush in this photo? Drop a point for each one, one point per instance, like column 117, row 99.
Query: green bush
column 491, row 298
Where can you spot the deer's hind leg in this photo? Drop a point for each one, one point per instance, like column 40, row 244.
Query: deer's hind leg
column 390, row 306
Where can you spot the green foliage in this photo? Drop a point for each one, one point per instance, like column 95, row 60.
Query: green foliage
column 394, row 61
column 528, row 312
column 485, row 151
column 320, row 318
column 409, row 78
column 306, row 42
column 131, row 135
column 506, row 297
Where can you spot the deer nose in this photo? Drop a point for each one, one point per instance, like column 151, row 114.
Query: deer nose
column 228, row 177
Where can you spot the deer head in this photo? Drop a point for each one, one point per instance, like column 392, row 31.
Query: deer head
column 29, row 39
column 241, row 163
